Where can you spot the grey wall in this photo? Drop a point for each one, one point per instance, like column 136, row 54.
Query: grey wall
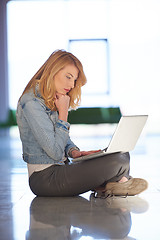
column 3, row 62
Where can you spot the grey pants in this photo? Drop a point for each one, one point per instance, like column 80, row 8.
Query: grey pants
column 74, row 179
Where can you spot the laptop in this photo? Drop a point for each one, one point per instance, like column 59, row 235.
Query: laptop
column 124, row 138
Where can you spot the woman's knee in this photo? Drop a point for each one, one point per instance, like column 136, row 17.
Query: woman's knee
column 125, row 156
column 121, row 159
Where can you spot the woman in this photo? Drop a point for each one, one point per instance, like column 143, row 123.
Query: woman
column 44, row 131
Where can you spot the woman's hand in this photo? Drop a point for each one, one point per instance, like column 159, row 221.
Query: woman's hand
column 76, row 153
column 62, row 104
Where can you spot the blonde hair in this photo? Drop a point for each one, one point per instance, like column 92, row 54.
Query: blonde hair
column 45, row 78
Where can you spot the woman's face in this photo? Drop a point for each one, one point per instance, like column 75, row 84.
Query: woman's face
column 65, row 79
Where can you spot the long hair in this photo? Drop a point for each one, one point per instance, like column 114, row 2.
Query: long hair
column 45, row 79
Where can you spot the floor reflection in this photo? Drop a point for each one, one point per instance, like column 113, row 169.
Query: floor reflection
column 74, row 218
column 24, row 216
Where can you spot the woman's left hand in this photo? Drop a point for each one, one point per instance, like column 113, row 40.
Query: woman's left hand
column 76, row 153
column 62, row 104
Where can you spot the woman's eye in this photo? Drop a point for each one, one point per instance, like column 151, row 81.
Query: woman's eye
column 68, row 77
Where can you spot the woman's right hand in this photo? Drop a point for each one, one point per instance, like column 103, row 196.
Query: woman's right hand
column 76, row 153
column 62, row 104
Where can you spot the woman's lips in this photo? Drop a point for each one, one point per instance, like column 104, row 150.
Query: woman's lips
column 67, row 90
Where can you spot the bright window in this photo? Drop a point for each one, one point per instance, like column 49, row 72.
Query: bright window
column 93, row 53
column 37, row 28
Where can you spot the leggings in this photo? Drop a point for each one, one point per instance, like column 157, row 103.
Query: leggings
column 76, row 178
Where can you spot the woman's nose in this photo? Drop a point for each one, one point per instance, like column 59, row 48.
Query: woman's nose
column 72, row 83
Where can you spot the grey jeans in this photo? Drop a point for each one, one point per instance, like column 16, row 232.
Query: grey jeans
column 76, row 178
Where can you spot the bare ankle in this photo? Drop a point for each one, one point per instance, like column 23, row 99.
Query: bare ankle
column 123, row 179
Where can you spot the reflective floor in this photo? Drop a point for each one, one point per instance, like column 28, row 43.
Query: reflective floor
column 25, row 216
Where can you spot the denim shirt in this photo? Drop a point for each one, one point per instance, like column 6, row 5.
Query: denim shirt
column 45, row 138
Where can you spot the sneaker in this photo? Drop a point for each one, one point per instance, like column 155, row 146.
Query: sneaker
column 132, row 187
